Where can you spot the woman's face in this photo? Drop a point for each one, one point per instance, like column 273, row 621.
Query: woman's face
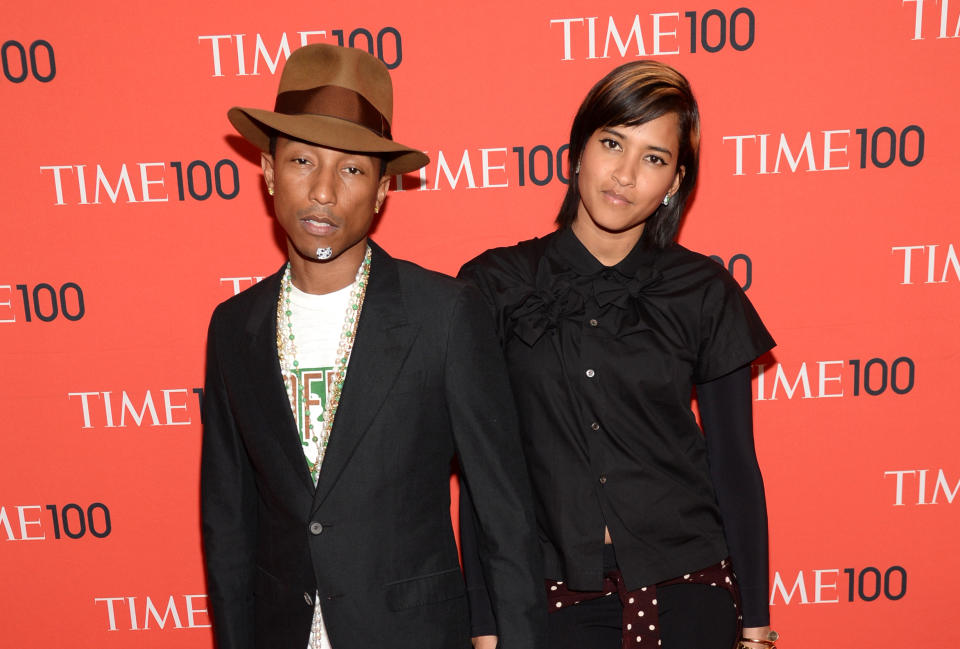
column 625, row 171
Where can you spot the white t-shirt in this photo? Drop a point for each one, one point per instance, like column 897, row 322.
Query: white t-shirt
column 317, row 326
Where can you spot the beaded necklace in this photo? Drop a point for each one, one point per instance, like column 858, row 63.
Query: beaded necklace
column 287, row 352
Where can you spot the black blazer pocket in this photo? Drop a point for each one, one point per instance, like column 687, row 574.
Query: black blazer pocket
column 272, row 591
column 264, row 581
column 428, row 589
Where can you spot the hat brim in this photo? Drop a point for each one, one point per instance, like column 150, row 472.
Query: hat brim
column 256, row 125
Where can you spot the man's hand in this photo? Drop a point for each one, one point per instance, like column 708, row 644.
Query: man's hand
column 484, row 642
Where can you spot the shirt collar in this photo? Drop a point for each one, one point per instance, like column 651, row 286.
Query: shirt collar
column 569, row 251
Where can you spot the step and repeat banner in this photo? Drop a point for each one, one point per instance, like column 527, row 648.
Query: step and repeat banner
column 828, row 189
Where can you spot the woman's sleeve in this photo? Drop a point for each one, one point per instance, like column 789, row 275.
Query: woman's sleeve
column 726, row 414
column 731, row 331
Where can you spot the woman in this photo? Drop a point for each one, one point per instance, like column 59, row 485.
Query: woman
column 608, row 326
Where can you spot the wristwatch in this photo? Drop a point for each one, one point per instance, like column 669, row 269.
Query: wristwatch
column 772, row 637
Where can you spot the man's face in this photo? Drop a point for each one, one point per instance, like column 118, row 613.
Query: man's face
column 323, row 197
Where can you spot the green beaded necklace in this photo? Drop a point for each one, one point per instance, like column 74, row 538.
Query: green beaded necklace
column 287, row 353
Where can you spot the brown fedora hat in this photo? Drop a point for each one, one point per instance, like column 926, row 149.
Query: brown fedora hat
column 338, row 97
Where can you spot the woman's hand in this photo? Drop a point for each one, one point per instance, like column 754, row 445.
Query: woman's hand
column 484, row 642
column 759, row 632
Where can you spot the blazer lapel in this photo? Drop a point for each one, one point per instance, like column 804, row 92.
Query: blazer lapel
column 265, row 372
column 384, row 338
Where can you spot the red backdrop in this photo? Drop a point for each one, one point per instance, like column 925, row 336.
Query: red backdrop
column 829, row 152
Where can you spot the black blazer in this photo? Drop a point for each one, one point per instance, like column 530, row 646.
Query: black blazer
column 426, row 382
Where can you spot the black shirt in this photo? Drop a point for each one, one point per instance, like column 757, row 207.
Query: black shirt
column 603, row 362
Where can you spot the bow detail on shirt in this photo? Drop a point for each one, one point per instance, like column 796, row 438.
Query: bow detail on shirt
column 611, row 287
column 543, row 308
column 563, row 295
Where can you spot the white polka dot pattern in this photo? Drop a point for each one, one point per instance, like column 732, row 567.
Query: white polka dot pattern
column 642, row 603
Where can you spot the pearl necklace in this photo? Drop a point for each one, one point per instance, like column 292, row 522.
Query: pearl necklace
column 287, row 353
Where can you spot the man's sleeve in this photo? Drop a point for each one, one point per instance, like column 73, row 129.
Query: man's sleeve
column 482, row 621
column 228, row 512
column 485, row 427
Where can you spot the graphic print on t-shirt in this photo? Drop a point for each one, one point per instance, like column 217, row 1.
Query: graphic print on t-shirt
column 309, row 387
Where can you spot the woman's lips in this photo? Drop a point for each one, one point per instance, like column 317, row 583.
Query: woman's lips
column 615, row 198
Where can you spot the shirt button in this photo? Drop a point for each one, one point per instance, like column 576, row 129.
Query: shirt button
column 316, row 528
column 593, row 322
column 590, row 374
column 603, row 479
column 595, row 426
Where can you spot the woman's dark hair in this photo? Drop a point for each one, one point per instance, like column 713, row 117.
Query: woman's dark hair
column 633, row 94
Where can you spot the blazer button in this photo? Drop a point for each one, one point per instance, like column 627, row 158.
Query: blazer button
column 316, row 528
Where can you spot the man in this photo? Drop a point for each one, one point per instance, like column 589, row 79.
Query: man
column 337, row 392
